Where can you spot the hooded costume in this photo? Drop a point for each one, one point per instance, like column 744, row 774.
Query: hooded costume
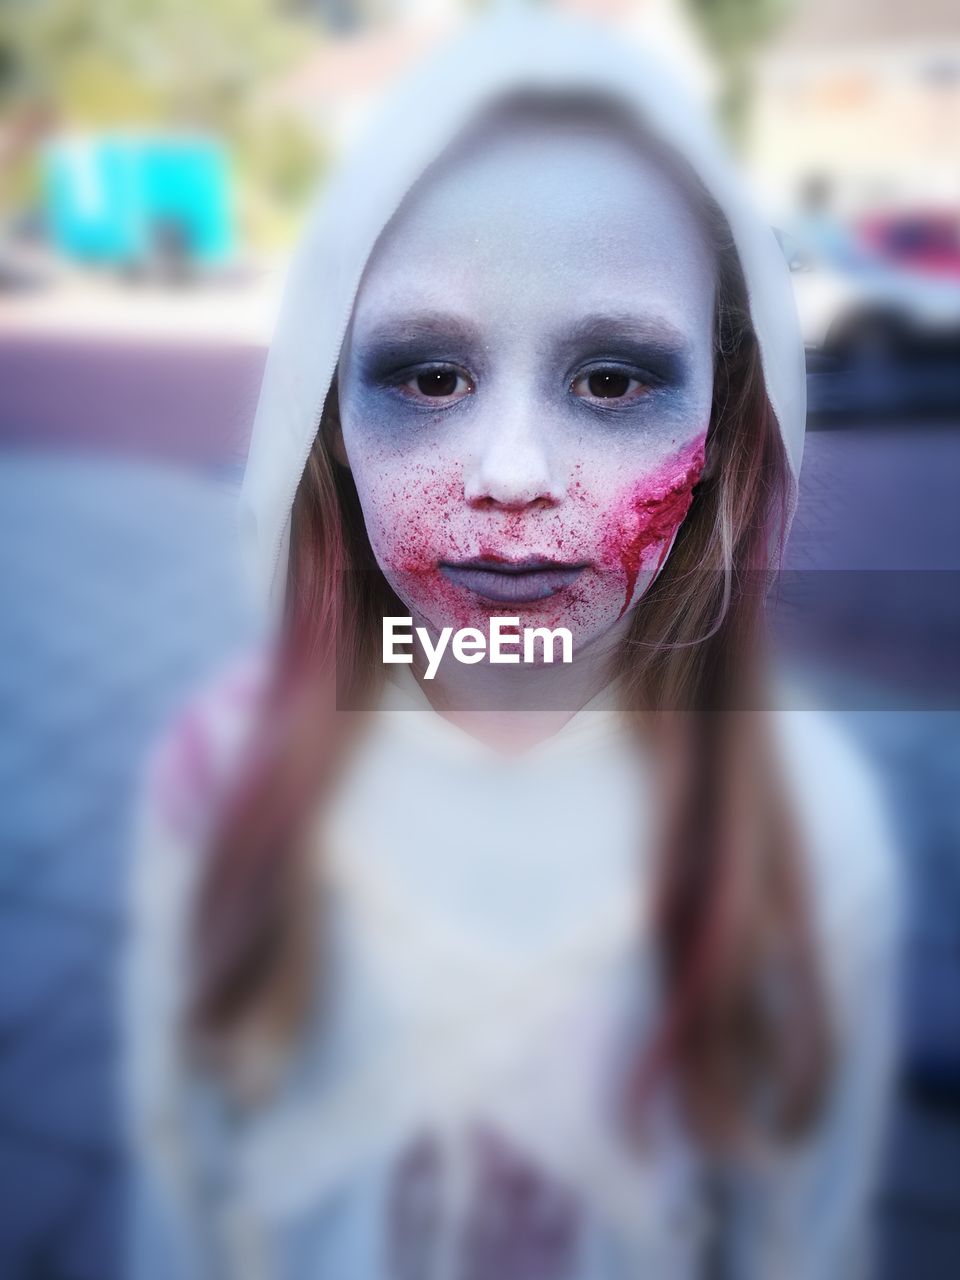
column 447, row 1114
column 527, row 48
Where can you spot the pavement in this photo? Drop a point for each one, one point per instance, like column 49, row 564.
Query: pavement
column 124, row 602
column 123, row 594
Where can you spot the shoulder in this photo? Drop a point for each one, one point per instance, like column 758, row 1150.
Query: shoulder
column 846, row 828
column 184, row 772
column 189, row 763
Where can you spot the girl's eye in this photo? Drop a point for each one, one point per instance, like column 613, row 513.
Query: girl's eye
column 609, row 385
column 438, row 385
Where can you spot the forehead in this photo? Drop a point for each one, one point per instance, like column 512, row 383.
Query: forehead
column 530, row 217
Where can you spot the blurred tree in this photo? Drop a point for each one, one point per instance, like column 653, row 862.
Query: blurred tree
column 335, row 15
column 735, row 30
column 99, row 64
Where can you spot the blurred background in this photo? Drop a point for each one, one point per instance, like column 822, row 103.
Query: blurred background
column 157, row 160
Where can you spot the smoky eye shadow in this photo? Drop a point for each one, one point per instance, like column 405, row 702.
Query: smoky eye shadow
column 402, row 342
column 664, row 365
column 651, row 345
column 382, row 364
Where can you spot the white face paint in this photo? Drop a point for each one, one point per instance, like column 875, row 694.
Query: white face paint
column 526, row 384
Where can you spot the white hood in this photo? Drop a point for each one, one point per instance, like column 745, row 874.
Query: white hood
column 532, row 48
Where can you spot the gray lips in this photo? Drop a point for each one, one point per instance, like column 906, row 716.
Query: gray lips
column 512, row 586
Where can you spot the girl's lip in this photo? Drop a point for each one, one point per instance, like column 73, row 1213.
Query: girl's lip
column 500, row 564
column 511, row 581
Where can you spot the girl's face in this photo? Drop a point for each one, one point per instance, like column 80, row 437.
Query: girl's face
column 525, row 387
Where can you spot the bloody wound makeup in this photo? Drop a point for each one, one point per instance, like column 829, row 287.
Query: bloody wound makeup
column 526, row 385
column 580, row 564
column 658, row 505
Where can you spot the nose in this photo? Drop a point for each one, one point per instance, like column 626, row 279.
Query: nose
column 511, row 465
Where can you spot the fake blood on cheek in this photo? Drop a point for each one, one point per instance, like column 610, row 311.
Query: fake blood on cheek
column 415, row 526
column 645, row 519
column 423, row 518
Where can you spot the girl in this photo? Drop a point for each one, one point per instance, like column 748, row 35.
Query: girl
column 525, row 969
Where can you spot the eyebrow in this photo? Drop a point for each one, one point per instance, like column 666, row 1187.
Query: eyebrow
column 402, row 330
column 655, row 333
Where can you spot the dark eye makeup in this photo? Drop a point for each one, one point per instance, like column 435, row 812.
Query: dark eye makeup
column 613, row 386
column 611, row 364
column 607, row 386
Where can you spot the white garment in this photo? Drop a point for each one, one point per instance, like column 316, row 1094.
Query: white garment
column 488, row 930
column 488, row 917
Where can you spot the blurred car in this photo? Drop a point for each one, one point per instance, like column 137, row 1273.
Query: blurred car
column 139, row 201
column 927, row 242
column 859, row 308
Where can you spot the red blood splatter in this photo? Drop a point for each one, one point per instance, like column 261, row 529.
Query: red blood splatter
column 656, row 508
column 620, row 536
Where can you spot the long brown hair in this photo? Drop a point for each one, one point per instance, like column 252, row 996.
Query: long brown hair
column 743, row 1031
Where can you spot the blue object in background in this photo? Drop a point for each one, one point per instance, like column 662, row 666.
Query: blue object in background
column 136, row 199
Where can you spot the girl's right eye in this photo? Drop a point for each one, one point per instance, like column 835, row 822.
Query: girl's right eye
column 438, row 386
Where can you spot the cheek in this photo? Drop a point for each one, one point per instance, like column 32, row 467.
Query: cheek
column 639, row 528
column 410, row 513
column 413, row 513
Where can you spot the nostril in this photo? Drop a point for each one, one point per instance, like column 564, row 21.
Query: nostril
column 488, row 502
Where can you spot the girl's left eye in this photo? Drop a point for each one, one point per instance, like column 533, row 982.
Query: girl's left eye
column 609, row 386
column 439, row 386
